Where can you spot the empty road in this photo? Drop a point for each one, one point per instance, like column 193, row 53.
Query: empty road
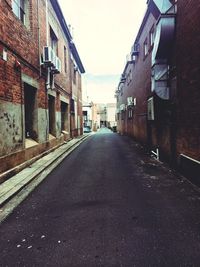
column 107, row 204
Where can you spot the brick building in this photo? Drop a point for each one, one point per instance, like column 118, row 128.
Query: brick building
column 40, row 80
column 158, row 94
column 135, row 84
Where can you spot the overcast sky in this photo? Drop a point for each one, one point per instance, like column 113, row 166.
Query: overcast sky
column 103, row 32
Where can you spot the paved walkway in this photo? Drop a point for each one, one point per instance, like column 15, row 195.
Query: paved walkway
column 39, row 169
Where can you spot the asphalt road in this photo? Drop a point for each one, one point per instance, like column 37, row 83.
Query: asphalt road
column 107, row 204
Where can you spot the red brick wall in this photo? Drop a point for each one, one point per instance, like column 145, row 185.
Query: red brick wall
column 10, row 85
column 22, row 46
column 188, row 69
column 21, row 39
column 63, row 79
column 177, row 127
column 139, row 88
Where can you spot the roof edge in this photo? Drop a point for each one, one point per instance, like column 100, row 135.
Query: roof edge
column 67, row 33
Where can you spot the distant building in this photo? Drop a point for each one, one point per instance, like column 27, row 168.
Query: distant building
column 97, row 115
column 111, row 114
column 87, row 114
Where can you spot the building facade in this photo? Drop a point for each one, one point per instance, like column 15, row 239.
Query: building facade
column 158, row 94
column 97, row 115
column 40, row 74
column 135, row 83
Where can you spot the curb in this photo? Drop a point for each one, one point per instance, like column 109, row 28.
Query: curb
column 42, row 166
column 11, row 172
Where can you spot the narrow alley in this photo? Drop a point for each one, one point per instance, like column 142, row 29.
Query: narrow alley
column 107, row 204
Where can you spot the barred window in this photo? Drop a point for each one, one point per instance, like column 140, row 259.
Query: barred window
column 130, row 113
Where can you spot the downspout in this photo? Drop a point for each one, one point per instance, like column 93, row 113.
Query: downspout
column 70, row 78
column 47, row 24
column 47, row 44
column 48, row 73
column 22, row 111
column 38, row 18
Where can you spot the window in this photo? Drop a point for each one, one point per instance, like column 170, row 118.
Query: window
column 85, row 115
column 145, row 48
column 65, row 59
column 130, row 113
column 129, row 77
column 64, row 116
column 53, row 41
column 122, row 115
column 134, row 58
column 121, row 90
column 18, row 7
column 151, row 36
column 74, row 75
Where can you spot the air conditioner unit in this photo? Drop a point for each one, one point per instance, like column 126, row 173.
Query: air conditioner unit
column 48, row 56
column 135, row 49
column 130, row 101
column 150, row 109
column 128, row 58
column 122, row 107
column 58, row 65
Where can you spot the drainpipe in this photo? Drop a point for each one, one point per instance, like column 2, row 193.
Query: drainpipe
column 70, row 80
column 47, row 43
column 48, row 72
column 47, row 24
column 22, row 111
column 38, row 18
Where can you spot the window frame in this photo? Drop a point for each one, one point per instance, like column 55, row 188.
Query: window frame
column 53, row 40
column 19, row 9
column 151, row 37
column 130, row 113
column 145, row 48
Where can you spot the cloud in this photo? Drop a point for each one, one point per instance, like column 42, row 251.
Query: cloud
column 104, row 32
column 96, row 87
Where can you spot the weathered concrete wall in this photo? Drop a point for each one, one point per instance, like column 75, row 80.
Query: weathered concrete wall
column 58, row 124
column 43, row 125
column 11, row 127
